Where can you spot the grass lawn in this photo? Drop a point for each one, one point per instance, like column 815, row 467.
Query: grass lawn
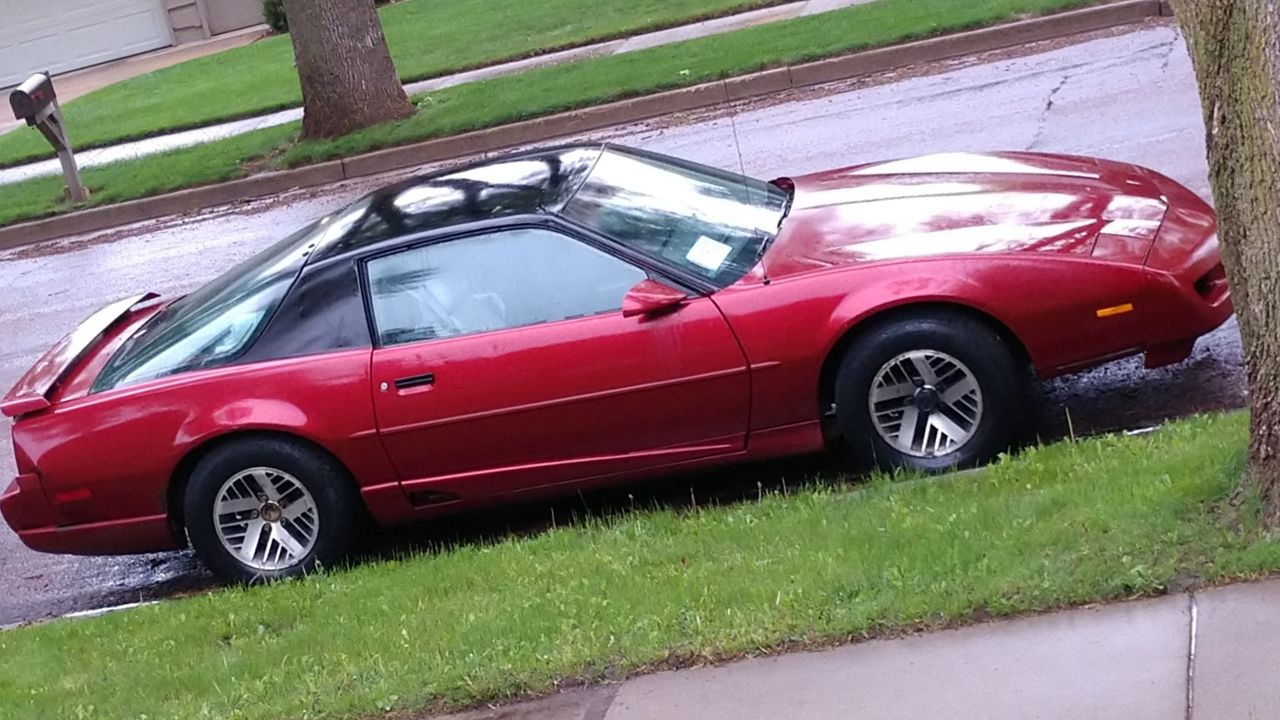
column 548, row 90
column 157, row 174
column 426, row 37
column 1070, row 523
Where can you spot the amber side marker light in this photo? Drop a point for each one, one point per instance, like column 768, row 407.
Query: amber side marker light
column 1115, row 310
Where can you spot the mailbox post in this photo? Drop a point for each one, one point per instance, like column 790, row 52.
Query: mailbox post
column 36, row 102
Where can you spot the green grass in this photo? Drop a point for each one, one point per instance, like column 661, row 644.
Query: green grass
column 200, row 165
column 427, row 38
column 548, row 90
column 1070, row 523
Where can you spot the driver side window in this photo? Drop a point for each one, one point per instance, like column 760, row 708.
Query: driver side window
column 504, row 279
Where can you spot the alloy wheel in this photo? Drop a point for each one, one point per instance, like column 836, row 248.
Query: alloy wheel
column 266, row 519
column 925, row 403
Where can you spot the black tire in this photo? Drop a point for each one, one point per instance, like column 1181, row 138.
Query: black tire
column 999, row 377
column 334, row 497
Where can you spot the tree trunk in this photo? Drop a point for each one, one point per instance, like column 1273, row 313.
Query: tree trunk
column 348, row 79
column 1235, row 46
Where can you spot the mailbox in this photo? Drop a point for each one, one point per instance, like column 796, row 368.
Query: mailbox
column 33, row 98
column 37, row 103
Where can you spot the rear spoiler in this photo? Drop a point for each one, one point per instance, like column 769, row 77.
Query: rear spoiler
column 32, row 391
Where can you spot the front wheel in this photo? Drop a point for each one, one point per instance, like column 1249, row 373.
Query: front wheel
column 929, row 392
column 267, row 508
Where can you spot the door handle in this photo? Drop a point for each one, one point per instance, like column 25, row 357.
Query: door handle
column 414, row 381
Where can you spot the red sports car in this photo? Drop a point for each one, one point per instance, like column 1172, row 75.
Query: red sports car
column 590, row 315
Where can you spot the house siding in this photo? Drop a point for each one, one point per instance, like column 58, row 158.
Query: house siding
column 186, row 20
column 193, row 20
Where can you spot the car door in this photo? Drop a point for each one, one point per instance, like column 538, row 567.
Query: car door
column 503, row 363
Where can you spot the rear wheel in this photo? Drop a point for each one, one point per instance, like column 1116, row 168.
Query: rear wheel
column 928, row 392
column 266, row 508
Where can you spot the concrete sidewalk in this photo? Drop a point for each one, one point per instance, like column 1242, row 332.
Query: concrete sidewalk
column 1212, row 655
column 200, row 136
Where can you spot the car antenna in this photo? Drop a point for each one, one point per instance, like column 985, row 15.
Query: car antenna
column 746, row 186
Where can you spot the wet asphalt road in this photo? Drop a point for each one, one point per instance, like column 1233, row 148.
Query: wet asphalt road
column 1129, row 96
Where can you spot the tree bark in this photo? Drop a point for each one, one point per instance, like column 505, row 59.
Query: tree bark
column 1235, row 47
column 348, row 79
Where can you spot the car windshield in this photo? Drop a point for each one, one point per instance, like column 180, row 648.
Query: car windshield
column 711, row 223
column 218, row 321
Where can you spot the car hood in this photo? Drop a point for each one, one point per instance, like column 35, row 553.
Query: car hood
column 965, row 203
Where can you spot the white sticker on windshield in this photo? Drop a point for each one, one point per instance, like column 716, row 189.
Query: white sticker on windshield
column 708, row 253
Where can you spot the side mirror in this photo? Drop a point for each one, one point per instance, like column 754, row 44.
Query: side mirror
column 649, row 297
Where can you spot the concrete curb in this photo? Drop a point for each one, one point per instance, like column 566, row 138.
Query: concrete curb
column 708, row 95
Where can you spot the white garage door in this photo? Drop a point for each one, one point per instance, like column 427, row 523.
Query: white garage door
column 62, row 35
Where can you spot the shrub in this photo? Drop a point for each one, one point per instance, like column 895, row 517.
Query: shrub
column 273, row 13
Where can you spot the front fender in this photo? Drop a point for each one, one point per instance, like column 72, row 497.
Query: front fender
column 1065, row 311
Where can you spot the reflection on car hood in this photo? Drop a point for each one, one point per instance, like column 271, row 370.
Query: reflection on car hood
column 963, row 203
